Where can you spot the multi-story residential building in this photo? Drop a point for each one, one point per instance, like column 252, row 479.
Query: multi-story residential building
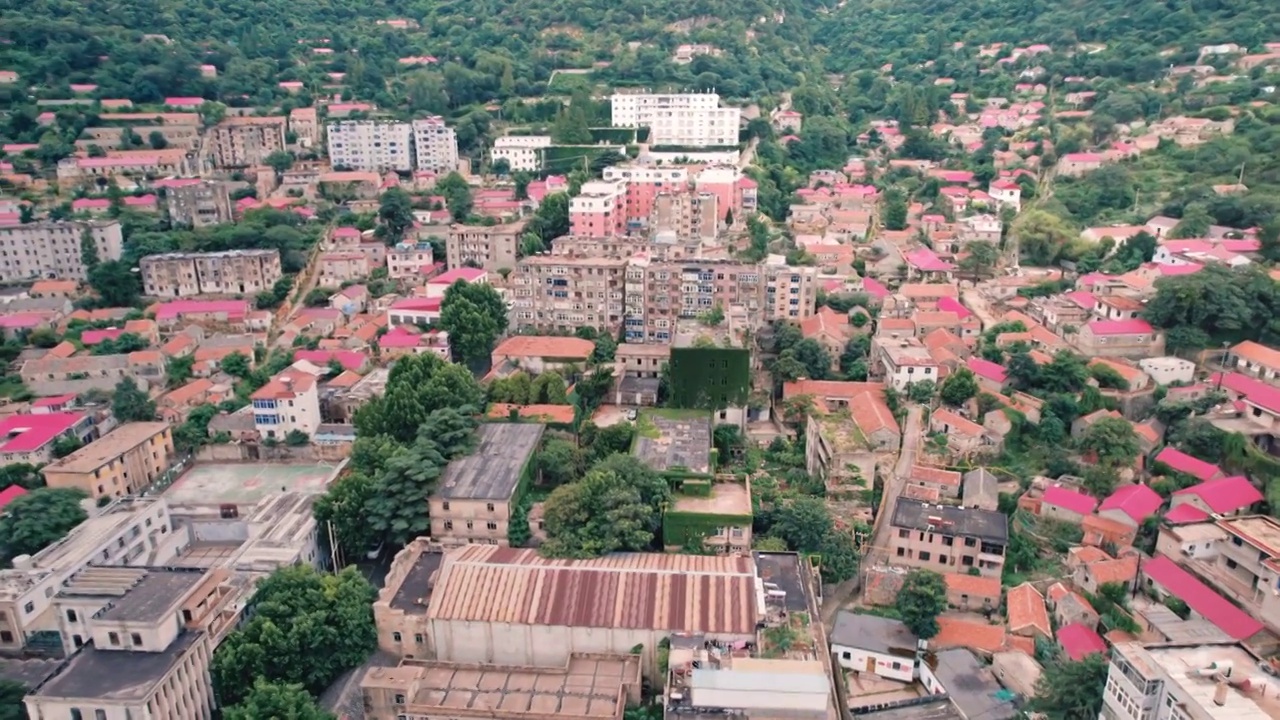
column 149, row 637
column 49, row 249
column 73, row 171
column 659, row 294
column 473, row 500
column 723, row 181
column 29, row 438
column 902, row 361
column 123, row 462
column 790, row 293
column 246, row 141
column 689, row 120
column 643, row 184
column 288, row 402
column 408, row 259
column 129, row 532
column 1181, row 681
column 948, row 538
column 1119, row 338
column 520, row 151
column 435, row 145
column 232, row 272
column 685, row 216
column 559, row 292
column 370, row 145
column 196, row 202
column 336, row 268
column 305, row 126
column 487, row 246
column 598, row 210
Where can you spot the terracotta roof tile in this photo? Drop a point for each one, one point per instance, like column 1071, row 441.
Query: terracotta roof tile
column 1027, row 612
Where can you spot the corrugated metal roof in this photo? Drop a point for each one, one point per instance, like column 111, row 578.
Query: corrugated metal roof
column 750, row 681
column 685, row 593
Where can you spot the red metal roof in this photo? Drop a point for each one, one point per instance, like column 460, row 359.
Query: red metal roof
column 987, row 369
column 25, row 433
column 350, row 359
column 1137, row 501
column 950, row 304
column 1254, row 391
column 1185, row 513
column 9, row 494
column 1079, row 641
column 1135, row 326
column 1184, row 463
column 1069, row 499
column 1201, row 598
column 1225, row 495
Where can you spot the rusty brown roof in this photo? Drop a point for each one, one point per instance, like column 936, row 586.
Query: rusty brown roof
column 681, row 593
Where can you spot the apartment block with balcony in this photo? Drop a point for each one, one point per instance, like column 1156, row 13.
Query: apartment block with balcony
column 408, row 259
column 472, row 502
column 1244, row 564
column 196, row 202
column 658, row 295
column 520, row 151
column 130, row 532
column 558, row 292
column 598, row 210
column 149, row 637
column 289, row 401
column 643, row 185
column 435, row 145
column 947, row 538
column 791, row 293
column 246, row 141
column 370, row 145
column 684, row 216
column 1181, row 681
column 487, row 246
column 233, row 272
column 51, row 249
column 688, row 119
column 125, row 461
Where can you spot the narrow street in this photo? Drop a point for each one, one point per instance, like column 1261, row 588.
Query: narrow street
column 874, row 552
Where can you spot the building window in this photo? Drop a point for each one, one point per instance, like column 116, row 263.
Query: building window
column 399, row 699
column 491, row 525
column 99, row 714
column 417, row 638
column 448, row 524
column 925, row 555
column 135, row 638
column 29, row 608
column 76, row 714
column 904, row 534
column 6, row 637
column 113, row 638
column 902, row 552
column 395, row 636
column 444, row 505
column 970, row 542
column 966, row 561
column 489, row 507
column 846, row 655
column 948, row 541
column 71, row 615
column 470, row 525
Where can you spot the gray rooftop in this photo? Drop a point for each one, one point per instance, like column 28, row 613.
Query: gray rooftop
column 120, row 675
column 416, row 584
column 923, row 709
column 971, row 686
column 683, row 442
column 27, row 673
column 153, row 596
column 953, row 521
column 493, row 470
column 981, row 489
column 873, row 633
column 783, row 569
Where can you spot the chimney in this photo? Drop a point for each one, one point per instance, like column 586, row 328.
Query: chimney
column 1220, row 693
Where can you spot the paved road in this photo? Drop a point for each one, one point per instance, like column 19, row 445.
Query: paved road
column 893, row 484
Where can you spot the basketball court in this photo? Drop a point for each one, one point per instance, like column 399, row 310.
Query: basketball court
column 246, row 483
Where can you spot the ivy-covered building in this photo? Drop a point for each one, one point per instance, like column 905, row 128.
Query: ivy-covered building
column 715, row 515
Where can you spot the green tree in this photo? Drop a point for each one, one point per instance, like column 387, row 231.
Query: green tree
column 605, row 350
column 179, row 370
column 276, row 701
column 280, row 161
column 474, row 315
column 417, row 386
column 1042, row 237
column 981, row 259
column 397, row 508
column 131, row 404
column 559, row 462
column 395, row 215
column 64, row 445
column 307, row 628
column 344, row 507
column 457, row 196
column 11, row 705
column 40, row 517
column 598, row 515
column 116, row 283
column 922, row 391
column 1112, row 440
column 921, row 600
column 24, row 475
column 1072, row 690
column 803, row 523
column 43, row 337
column 895, row 210
column 959, row 387
column 236, row 364
column 572, row 126
column 88, row 250
column 157, row 140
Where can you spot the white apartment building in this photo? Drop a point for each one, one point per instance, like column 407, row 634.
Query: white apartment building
column 520, row 151
column 688, row 119
column 44, row 250
column 233, row 272
column 288, row 402
column 371, row 145
column 408, row 258
column 435, row 145
column 1200, row 681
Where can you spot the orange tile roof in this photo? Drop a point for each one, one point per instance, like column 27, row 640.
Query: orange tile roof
column 63, row 349
column 186, row 393
column 843, row 389
column 941, row 476
column 939, row 318
column 1106, row 529
column 1056, row 592
column 941, row 337
column 1253, row 352
column 179, row 345
column 146, row 356
column 954, row 632
column 203, row 353
column 1027, row 611
column 972, row 585
column 929, row 290
column 922, row 493
column 1022, row 644
column 1130, row 373
column 901, row 324
column 1085, row 555
column 287, row 384
column 545, row 346
column 1122, row 570
column 958, row 424
column 826, row 322
column 140, row 327
column 346, row 378
column 872, row 413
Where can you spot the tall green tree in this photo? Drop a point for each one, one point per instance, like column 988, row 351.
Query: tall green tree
column 959, row 387
column 474, row 315
column 88, row 250
column 895, row 210
column 307, row 628
column 276, row 701
column 1072, row 690
column 1111, row 440
column 11, row 705
column 616, row 506
column 115, row 283
column 395, row 215
column 417, row 386
column 130, row 404
column 40, row 517
column 921, row 600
